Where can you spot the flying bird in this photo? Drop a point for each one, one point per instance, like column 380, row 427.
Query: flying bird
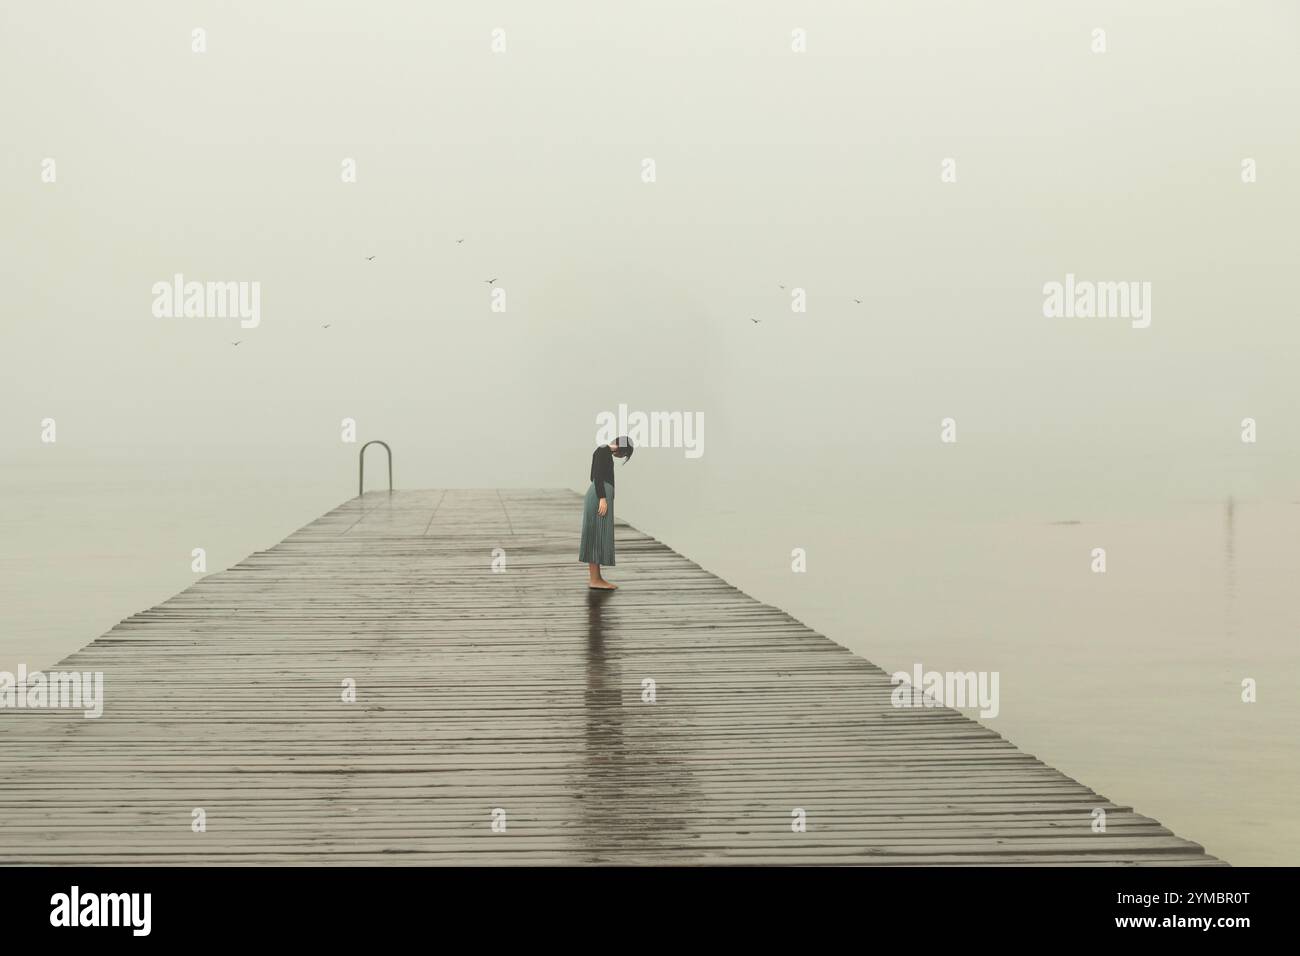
column 368, row 258
column 858, row 301
column 780, row 287
column 490, row 281
column 236, row 343
column 459, row 241
column 755, row 321
column 325, row 326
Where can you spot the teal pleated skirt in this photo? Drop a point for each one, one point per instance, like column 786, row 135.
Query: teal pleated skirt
column 597, row 543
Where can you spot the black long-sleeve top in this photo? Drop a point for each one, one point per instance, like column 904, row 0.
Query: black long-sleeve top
column 602, row 469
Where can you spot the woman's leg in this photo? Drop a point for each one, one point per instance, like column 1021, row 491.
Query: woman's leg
column 595, row 580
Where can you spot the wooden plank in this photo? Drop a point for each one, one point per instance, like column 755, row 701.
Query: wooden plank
column 522, row 691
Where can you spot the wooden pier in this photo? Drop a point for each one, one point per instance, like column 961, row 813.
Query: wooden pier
column 514, row 695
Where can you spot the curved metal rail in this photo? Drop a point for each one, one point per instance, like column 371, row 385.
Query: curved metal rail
column 361, row 477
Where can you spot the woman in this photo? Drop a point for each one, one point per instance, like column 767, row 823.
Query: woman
column 597, row 544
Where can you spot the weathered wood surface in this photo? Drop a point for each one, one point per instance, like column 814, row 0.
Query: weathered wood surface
column 522, row 691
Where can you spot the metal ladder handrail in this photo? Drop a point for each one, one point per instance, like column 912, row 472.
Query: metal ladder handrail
column 361, row 478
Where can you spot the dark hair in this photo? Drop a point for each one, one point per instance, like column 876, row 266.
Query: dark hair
column 624, row 445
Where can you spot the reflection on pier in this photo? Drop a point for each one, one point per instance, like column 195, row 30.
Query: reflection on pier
column 635, row 790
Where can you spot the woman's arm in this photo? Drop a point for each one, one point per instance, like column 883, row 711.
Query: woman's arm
column 602, row 473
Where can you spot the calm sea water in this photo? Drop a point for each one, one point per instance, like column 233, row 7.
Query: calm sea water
column 1128, row 680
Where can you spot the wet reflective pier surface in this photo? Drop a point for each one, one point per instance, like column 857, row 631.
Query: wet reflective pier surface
column 503, row 717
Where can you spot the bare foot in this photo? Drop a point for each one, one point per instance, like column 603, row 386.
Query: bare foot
column 602, row 585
